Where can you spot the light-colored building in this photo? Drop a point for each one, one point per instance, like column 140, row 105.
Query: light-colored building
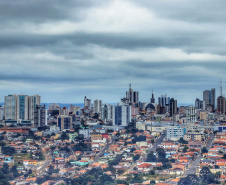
column 97, row 106
column 175, row 133
column 190, row 114
column 194, row 137
column 122, row 115
column 21, row 107
column 64, row 122
column 87, row 103
column 107, row 112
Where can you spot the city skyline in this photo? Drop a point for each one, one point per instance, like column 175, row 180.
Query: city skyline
column 96, row 48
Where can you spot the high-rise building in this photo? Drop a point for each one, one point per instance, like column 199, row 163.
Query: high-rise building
column 152, row 98
column 21, row 107
column 11, row 107
column 221, row 104
column 32, row 102
column 97, row 106
column 122, row 115
column 212, row 97
column 209, row 98
column 190, row 114
column 64, row 122
column 164, row 101
column 40, row 116
column 87, row 103
column 107, row 112
column 2, row 113
column 198, row 104
column 132, row 97
column 173, row 107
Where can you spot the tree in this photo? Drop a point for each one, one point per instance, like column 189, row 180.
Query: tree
column 152, row 172
column 8, row 150
column 181, row 140
column 204, row 150
column 224, row 156
column 105, row 178
column 136, row 157
column 29, row 171
column 151, row 157
column 185, row 149
column 191, row 179
column 161, row 154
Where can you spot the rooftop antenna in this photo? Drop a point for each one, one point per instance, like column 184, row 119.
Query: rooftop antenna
column 130, row 86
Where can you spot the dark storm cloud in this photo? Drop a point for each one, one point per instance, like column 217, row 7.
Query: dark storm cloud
column 92, row 46
column 42, row 10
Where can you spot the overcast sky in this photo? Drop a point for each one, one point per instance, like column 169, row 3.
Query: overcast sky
column 64, row 50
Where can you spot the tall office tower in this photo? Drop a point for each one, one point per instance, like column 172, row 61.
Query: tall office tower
column 221, row 104
column 2, row 112
column 107, row 112
column 87, row 103
column 209, row 98
column 221, row 101
column 212, row 97
column 64, row 122
column 190, row 114
column 206, row 97
column 152, row 98
column 22, row 107
column 163, row 100
column 11, row 107
column 198, row 104
column 97, row 106
column 32, row 102
column 122, row 115
column 132, row 96
column 173, row 107
column 40, row 116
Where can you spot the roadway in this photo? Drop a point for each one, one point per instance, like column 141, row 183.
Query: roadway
column 194, row 165
column 103, row 150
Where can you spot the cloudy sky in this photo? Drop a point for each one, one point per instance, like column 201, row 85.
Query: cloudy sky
column 64, row 50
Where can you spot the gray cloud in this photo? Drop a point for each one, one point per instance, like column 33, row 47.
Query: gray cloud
column 65, row 50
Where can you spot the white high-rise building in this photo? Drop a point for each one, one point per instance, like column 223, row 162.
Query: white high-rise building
column 87, row 103
column 2, row 112
column 21, row 107
column 122, row 115
column 132, row 96
column 107, row 112
column 11, row 107
column 97, row 106
column 33, row 101
column 190, row 114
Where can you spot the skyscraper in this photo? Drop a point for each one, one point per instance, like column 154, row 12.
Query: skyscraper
column 212, row 97
column 209, row 98
column 11, row 107
column 221, row 104
column 87, row 103
column 21, row 107
column 32, row 102
column 107, row 112
column 40, row 116
column 97, row 106
column 122, row 115
column 173, row 107
column 132, row 97
column 198, row 104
